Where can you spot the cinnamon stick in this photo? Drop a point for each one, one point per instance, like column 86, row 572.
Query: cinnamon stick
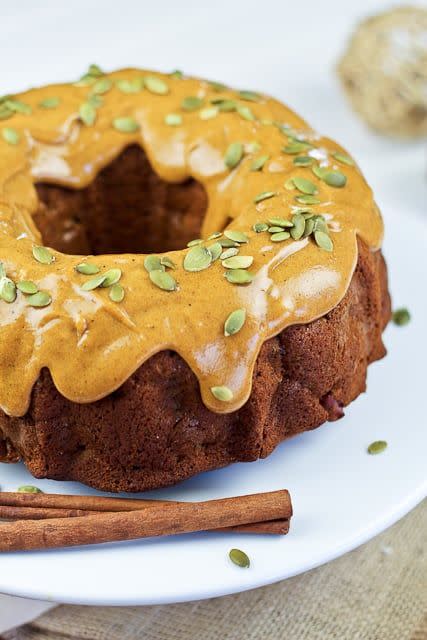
column 157, row 520
column 87, row 503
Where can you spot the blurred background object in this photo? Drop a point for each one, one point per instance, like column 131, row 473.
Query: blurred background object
column 384, row 72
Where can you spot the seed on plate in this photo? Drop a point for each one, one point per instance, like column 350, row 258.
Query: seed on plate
column 163, row 280
column 401, row 317
column 29, row 488
column 197, row 259
column 377, row 447
column 224, row 394
column 234, row 322
column 43, row 255
column 239, row 558
column 233, row 154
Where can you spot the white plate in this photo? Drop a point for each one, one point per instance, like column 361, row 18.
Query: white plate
column 342, row 496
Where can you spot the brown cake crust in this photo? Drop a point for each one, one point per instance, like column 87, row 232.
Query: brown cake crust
column 155, row 430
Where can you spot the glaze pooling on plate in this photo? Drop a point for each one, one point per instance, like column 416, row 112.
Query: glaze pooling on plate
column 65, row 134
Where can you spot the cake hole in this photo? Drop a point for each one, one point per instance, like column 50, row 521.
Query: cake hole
column 126, row 209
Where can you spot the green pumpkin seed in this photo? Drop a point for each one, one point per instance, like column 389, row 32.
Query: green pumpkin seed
column 10, row 135
column 307, row 199
column 156, row 85
column 259, row 227
column 319, row 172
column 173, row 119
column 309, row 227
column 297, row 230
column 208, row 113
column 259, row 163
column 87, row 268
column 305, row 186
column 216, row 234
column 229, row 253
column 224, row 394
column 177, row 74
column 125, row 125
column 93, row 283
column 239, row 558
column 95, row 101
column 239, row 276
column 289, row 184
column 194, row 243
column 377, row 447
column 197, row 259
column 217, row 86
column 17, row 106
column 165, row 261
column 130, row 86
column 296, row 147
column 323, row 241
column 49, row 103
column 238, row 262
column 236, row 236
column 335, row 179
column 29, row 488
column 7, row 290
column 27, row 286
column 87, row 114
column 224, row 105
column 344, row 158
column 280, row 222
column 39, row 299
column 253, row 147
column 163, row 280
column 191, row 103
column 153, row 263
column 95, row 71
column 320, row 224
column 233, row 155
column 116, row 293
column 111, row 277
column 43, row 255
column 225, row 242
column 264, row 195
column 251, row 96
column 275, row 229
column 234, row 322
column 245, row 112
column 5, row 113
column 303, row 161
column 279, row 237
column 401, row 317
column 102, row 86
column 215, row 250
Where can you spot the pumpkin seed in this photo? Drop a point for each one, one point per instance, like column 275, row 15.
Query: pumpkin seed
column 7, row 290
column 264, row 195
column 17, row 106
column 259, row 163
column 323, row 240
column 5, row 113
column 93, row 283
column 296, row 147
column 165, row 261
column 303, row 161
column 307, row 199
column 224, row 105
column 116, row 293
column 344, row 158
column 215, row 250
column 234, row 322
column 27, row 286
column 233, row 155
column 125, row 125
column 191, row 103
column 238, row 262
column 239, row 558
column 208, row 113
column 156, row 85
column 43, row 255
column 39, row 299
column 245, row 112
column 29, row 488
column 102, row 86
column 10, row 135
column 153, row 263
column 87, row 114
column 279, row 237
column 95, row 71
column 239, row 276
column 130, row 86
column 111, row 277
column 87, row 268
column 163, row 280
column 280, row 222
column 177, row 74
column 335, row 179
column 225, row 242
column 224, row 394
column 297, row 230
column 377, row 447
column 289, row 184
column 309, row 227
column 49, row 103
column 197, row 259
column 229, row 253
column 275, row 229
column 173, row 119
column 259, row 227
column 319, row 172
column 320, row 224
column 214, row 235
column 236, row 236
column 305, row 186
column 194, row 243
column 401, row 317
column 95, row 101
column 253, row 147
column 251, row 96
column 217, row 86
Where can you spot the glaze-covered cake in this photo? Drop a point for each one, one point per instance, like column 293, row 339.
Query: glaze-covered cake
column 189, row 275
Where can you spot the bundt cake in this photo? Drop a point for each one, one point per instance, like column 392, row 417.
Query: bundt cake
column 189, row 275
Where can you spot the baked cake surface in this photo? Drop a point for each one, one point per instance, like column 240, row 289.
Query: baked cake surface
column 131, row 361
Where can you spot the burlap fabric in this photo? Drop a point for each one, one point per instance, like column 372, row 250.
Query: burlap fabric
column 377, row 592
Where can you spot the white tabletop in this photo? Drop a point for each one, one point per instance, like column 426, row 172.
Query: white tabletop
column 285, row 48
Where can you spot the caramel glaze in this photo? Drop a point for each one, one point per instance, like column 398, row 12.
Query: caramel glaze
column 90, row 344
